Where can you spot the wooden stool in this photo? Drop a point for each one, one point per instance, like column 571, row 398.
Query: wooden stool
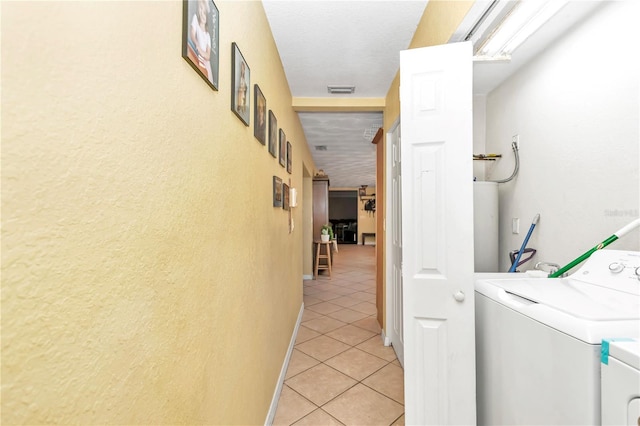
column 327, row 256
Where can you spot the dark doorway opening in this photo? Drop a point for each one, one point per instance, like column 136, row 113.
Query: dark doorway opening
column 343, row 215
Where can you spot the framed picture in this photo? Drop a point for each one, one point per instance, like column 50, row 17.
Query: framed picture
column 200, row 42
column 282, row 148
column 289, row 157
column 277, row 192
column 259, row 115
column 240, row 82
column 273, row 134
column 285, row 196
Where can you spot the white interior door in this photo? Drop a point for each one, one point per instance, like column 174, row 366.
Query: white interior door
column 437, row 234
column 394, row 244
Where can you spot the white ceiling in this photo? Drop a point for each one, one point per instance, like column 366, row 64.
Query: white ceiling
column 348, row 42
column 357, row 42
column 350, row 157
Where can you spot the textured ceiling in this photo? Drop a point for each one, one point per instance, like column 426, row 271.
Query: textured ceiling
column 330, row 42
column 349, row 158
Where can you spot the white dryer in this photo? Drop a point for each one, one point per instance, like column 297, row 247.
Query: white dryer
column 538, row 340
column 620, row 372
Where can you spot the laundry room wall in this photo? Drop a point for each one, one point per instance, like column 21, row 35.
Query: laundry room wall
column 575, row 109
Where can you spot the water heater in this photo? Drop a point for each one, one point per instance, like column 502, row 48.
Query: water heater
column 485, row 226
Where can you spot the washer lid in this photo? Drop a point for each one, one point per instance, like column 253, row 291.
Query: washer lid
column 574, row 298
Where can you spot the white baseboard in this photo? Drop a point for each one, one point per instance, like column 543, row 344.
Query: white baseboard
column 283, row 371
column 385, row 339
column 307, row 277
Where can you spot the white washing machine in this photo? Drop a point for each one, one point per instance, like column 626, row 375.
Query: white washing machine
column 620, row 373
column 538, row 340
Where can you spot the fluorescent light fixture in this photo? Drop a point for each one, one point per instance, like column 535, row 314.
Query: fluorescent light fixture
column 524, row 20
column 341, row 89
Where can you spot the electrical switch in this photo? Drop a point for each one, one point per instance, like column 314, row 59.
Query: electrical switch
column 515, row 225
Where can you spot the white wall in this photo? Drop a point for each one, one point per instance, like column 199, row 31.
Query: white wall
column 576, row 110
column 479, row 131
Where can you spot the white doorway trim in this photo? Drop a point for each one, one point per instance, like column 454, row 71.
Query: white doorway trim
column 307, row 223
column 390, row 308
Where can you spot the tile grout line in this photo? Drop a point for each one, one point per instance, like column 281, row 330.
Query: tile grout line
column 339, row 353
column 343, row 287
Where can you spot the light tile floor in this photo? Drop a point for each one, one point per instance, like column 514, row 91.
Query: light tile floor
column 340, row 373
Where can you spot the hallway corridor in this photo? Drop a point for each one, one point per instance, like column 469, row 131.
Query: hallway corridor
column 340, row 373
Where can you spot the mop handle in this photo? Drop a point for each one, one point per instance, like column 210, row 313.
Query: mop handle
column 524, row 243
column 621, row 232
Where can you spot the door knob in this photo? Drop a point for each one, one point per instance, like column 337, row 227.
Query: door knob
column 459, row 296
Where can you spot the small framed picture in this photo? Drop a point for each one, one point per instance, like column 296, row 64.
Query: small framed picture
column 240, row 82
column 273, row 134
column 285, row 196
column 200, row 41
column 259, row 115
column 277, row 192
column 282, row 148
column 289, row 157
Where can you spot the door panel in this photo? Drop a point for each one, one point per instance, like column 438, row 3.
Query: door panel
column 396, row 332
column 437, row 235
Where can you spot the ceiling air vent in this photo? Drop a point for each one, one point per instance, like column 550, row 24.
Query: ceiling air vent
column 341, row 90
column 321, row 147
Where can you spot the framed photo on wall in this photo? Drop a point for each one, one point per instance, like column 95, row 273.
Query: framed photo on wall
column 273, row 134
column 289, row 157
column 285, row 196
column 240, row 83
column 277, row 192
column 282, row 148
column 259, row 115
column 200, row 39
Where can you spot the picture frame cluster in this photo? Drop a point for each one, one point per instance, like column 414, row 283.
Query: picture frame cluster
column 201, row 50
column 280, row 194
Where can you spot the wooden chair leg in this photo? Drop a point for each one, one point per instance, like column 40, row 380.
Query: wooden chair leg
column 328, row 248
column 315, row 269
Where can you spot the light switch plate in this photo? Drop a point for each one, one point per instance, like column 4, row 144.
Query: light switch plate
column 515, row 225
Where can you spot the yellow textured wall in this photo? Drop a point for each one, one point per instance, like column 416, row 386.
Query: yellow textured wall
column 438, row 23
column 146, row 277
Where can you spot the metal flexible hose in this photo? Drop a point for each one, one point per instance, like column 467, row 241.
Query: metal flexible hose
column 517, row 167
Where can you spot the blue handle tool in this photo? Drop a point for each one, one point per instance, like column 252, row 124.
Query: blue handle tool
column 524, row 243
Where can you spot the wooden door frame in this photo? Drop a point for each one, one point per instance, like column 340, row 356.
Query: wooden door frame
column 379, row 142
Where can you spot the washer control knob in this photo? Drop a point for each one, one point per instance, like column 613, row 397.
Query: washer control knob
column 459, row 296
column 616, row 267
column 638, row 272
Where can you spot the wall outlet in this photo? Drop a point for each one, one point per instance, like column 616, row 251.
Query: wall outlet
column 516, row 139
column 515, row 225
